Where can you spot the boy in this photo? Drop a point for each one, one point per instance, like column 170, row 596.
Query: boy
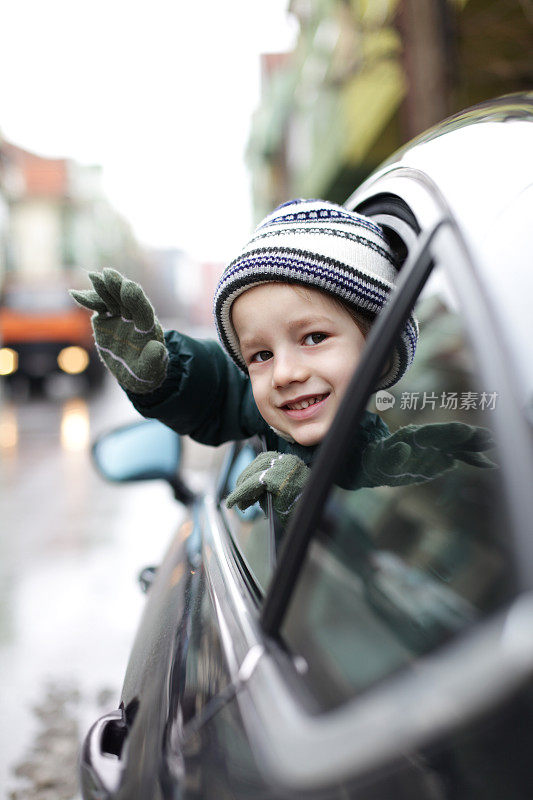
column 292, row 312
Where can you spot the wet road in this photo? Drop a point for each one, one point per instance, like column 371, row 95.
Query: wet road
column 71, row 547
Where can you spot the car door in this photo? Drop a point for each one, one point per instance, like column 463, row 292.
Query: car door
column 388, row 652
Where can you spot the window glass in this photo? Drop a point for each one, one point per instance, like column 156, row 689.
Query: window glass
column 250, row 529
column 395, row 571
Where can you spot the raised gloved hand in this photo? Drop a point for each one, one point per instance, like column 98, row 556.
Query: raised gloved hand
column 128, row 335
column 282, row 474
column 418, row 453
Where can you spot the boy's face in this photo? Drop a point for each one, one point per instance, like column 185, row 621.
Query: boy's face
column 301, row 350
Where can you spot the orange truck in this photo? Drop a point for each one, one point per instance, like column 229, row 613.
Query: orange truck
column 43, row 331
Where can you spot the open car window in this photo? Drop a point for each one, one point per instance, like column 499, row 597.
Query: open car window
column 397, row 569
column 257, row 538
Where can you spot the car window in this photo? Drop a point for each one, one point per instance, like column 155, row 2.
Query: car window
column 249, row 529
column 395, row 571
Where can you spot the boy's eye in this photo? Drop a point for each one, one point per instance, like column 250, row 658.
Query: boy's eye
column 315, row 338
column 262, row 355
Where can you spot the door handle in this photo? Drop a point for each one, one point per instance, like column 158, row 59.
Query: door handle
column 101, row 757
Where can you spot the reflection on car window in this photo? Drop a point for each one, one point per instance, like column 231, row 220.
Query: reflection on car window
column 250, row 528
column 397, row 570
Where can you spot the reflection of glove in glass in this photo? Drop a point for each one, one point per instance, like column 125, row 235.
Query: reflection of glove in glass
column 128, row 335
column 283, row 475
column 417, row 453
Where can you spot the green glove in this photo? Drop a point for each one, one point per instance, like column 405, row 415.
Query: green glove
column 282, row 475
column 418, row 453
column 127, row 333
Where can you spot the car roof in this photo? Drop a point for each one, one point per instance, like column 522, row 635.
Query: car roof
column 478, row 167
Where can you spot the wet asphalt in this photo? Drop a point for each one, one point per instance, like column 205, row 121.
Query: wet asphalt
column 71, row 547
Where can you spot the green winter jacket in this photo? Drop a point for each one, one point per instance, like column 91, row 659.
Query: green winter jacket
column 207, row 397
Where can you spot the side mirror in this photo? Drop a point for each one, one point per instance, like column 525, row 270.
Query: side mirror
column 143, row 451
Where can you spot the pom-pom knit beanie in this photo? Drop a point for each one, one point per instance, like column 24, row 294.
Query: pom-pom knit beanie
column 322, row 245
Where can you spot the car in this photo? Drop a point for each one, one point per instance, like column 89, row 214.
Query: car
column 44, row 333
column 380, row 643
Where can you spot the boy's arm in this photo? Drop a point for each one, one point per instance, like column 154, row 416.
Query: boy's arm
column 414, row 454
column 190, row 385
column 204, row 395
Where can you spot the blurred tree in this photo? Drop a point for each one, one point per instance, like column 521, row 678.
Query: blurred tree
column 429, row 62
column 494, row 45
column 365, row 77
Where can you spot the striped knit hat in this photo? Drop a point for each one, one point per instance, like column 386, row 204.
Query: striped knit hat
column 325, row 246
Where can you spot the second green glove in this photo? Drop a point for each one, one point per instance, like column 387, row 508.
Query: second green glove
column 419, row 453
column 282, row 475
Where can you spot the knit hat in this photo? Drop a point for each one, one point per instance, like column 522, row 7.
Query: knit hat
column 322, row 245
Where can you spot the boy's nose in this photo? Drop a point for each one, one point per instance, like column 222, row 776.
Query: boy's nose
column 287, row 369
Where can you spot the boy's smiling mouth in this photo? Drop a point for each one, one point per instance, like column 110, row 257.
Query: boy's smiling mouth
column 308, row 403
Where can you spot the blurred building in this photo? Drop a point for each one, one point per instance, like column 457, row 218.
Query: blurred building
column 195, row 282
column 181, row 289
column 210, row 274
column 56, row 219
column 4, row 223
column 366, row 76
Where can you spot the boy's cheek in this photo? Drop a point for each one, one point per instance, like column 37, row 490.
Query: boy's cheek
column 258, row 395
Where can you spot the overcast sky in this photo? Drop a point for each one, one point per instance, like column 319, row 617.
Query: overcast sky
column 160, row 94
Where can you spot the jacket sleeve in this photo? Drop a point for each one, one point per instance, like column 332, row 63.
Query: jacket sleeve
column 204, row 395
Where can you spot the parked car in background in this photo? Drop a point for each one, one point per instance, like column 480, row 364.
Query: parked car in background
column 43, row 332
column 381, row 645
